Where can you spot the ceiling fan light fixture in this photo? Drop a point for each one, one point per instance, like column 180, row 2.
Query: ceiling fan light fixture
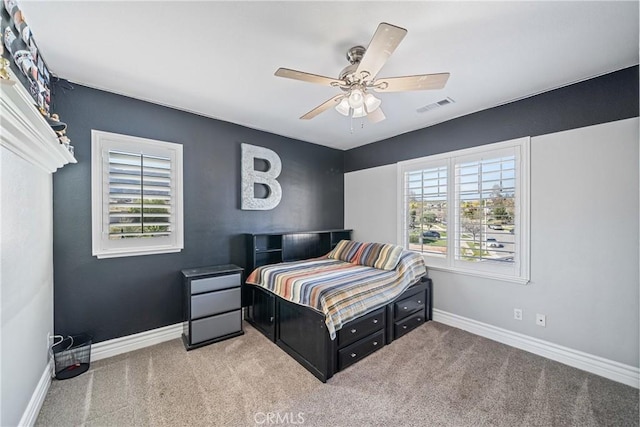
column 343, row 107
column 356, row 98
column 371, row 102
column 359, row 112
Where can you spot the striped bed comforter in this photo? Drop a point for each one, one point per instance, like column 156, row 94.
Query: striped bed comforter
column 342, row 291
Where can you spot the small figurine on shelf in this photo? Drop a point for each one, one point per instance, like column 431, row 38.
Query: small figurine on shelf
column 64, row 140
column 53, row 120
column 60, row 128
column 4, row 65
column 55, row 123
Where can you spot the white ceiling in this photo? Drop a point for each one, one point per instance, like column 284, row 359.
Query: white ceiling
column 217, row 59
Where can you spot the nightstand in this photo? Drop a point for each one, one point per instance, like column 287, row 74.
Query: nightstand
column 212, row 304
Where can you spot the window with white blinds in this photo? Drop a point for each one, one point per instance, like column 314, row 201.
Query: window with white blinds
column 140, row 196
column 137, row 196
column 485, row 209
column 467, row 211
column 425, row 206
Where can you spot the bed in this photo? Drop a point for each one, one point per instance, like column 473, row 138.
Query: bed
column 329, row 312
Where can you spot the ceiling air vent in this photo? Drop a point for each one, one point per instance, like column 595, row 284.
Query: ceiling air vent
column 438, row 104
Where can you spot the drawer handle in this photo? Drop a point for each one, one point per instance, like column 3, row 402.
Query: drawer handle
column 405, row 308
column 375, row 343
column 404, row 326
column 375, row 320
column 353, row 355
column 419, row 302
column 271, row 319
column 353, row 331
column 419, row 319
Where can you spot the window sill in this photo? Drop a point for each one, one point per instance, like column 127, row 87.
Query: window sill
column 25, row 132
column 128, row 253
column 482, row 274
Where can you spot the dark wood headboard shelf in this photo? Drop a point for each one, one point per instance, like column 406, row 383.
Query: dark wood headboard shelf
column 271, row 248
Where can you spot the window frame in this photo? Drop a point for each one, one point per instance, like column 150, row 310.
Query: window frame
column 519, row 271
column 102, row 246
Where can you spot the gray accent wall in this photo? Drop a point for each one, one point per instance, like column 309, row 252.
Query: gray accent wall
column 111, row 298
column 603, row 99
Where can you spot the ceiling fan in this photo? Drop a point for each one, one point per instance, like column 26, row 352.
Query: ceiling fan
column 359, row 77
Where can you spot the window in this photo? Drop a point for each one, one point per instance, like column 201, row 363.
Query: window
column 136, row 196
column 467, row 211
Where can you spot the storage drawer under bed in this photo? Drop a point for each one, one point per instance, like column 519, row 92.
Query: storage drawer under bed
column 361, row 327
column 409, row 305
column 409, row 323
column 360, row 349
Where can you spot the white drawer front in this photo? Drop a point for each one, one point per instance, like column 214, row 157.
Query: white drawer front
column 215, row 302
column 215, row 326
column 214, row 283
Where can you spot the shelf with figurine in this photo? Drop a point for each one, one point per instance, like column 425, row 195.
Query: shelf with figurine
column 28, row 133
column 26, row 126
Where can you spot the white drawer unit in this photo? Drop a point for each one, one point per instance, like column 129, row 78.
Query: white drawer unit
column 212, row 304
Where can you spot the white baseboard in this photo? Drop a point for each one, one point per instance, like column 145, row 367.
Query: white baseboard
column 37, row 399
column 610, row 369
column 116, row 346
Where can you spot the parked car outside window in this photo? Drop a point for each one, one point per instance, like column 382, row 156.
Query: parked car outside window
column 430, row 234
column 493, row 243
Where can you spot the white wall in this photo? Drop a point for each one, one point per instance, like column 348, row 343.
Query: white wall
column 26, row 281
column 584, row 243
column 370, row 205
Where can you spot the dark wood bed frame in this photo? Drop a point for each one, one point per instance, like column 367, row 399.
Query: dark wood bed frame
column 301, row 332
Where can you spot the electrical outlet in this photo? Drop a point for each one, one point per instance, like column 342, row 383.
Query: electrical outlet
column 541, row 320
column 517, row 313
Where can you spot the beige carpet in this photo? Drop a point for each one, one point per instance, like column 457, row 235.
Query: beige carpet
column 434, row 376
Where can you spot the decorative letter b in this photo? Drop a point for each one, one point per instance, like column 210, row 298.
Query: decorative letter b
column 251, row 177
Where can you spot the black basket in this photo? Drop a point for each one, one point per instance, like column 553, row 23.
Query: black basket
column 71, row 356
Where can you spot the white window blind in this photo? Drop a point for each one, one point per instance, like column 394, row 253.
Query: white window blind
column 140, row 195
column 425, row 203
column 136, row 196
column 485, row 209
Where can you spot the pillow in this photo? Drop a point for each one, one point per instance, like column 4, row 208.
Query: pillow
column 345, row 250
column 383, row 256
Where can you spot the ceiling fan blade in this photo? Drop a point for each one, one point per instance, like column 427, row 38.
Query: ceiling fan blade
column 421, row 82
column 308, row 77
column 384, row 42
column 376, row 115
column 323, row 107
